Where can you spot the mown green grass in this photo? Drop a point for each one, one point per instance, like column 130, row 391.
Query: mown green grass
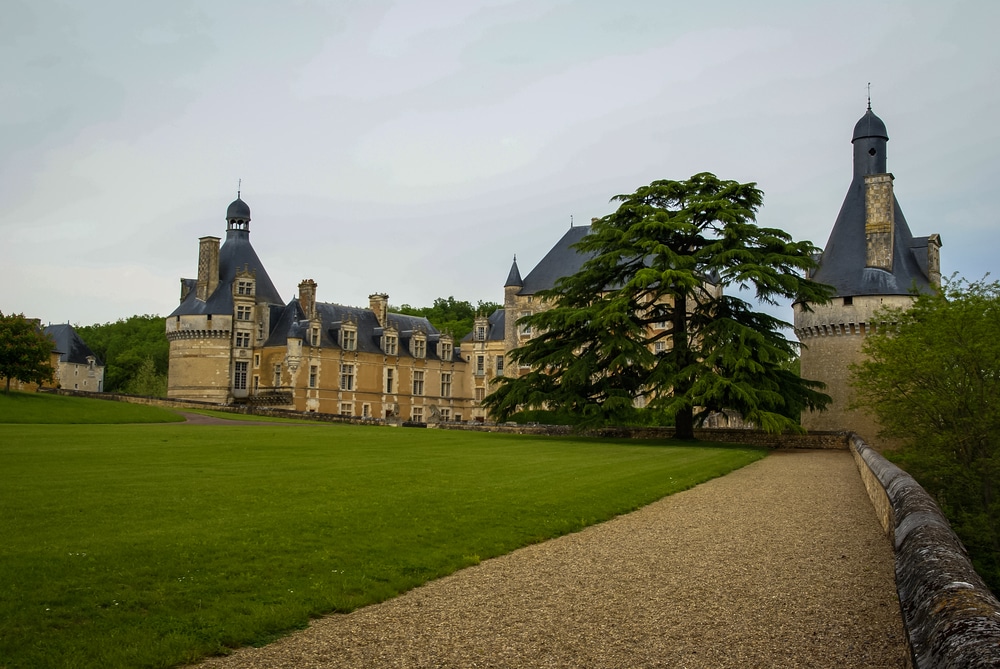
column 50, row 409
column 153, row 545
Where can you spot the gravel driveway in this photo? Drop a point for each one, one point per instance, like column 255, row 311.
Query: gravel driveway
column 780, row 564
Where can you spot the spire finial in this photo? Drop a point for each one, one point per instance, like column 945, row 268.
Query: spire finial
column 515, row 257
column 239, row 183
column 571, row 220
column 869, row 96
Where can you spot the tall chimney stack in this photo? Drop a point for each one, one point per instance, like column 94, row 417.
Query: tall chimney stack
column 208, row 267
column 307, row 298
column 379, row 303
column 880, row 221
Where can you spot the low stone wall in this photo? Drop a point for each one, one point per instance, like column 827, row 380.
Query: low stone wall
column 952, row 619
column 832, row 440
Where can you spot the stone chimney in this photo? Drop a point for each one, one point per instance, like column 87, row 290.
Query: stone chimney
column 307, row 298
column 379, row 304
column 208, row 267
column 934, row 260
column 880, row 221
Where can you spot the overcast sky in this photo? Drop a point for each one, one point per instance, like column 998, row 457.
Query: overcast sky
column 413, row 147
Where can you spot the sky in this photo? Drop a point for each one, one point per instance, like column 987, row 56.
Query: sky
column 414, row 147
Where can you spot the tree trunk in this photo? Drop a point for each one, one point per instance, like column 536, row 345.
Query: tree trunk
column 684, row 424
column 684, row 419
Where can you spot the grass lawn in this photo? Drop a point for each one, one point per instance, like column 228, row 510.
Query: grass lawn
column 153, row 545
column 46, row 408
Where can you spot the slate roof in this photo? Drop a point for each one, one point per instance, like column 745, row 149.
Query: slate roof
column 843, row 262
column 69, row 345
column 235, row 254
column 495, row 329
column 562, row 260
column 291, row 322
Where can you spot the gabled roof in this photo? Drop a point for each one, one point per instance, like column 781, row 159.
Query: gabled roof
column 562, row 260
column 69, row 345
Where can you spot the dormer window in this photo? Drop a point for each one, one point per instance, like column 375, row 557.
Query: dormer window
column 390, row 344
column 446, row 350
column 480, row 333
column 314, row 336
column 349, row 338
column 244, row 287
column 418, row 345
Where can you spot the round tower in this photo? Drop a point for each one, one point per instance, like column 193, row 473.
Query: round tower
column 872, row 261
column 223, row 315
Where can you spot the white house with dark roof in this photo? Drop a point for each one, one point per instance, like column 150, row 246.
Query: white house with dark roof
column 78, row 367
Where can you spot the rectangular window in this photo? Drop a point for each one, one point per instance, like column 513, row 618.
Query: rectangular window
column 346, row 409
column 480, row 365
column 446, row 414
column 350, row 339
column 499, row 364
column 243, row 313
column 242, row 340
column 418, row 382
column 240, row 380
column 256, row 383
column 313, row 373
column 524, row 328
column 660, row 325
column 446, row 350
column 480, row 394
column 480, row 333
column 390, row 344
column 418, row 415
column 419, row 347
column 366, row 410
column 256, row 361
column 277, row 376
column 244, row 287
column 314, row 337
column 445, row 384
column 659, row 347
column 389, row 380
column 346, row 376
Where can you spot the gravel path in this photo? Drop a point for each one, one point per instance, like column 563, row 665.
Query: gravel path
column 779, row 564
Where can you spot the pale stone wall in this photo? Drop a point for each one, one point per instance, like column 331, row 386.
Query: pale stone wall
column 323, row 392
column 832, row 336
column 200, row 355
column 74, row 376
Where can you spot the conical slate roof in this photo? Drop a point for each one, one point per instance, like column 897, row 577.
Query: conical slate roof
column 843, row 264
column 236, row 254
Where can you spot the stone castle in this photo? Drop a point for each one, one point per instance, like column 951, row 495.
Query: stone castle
column 232, row 339
column 872, row 261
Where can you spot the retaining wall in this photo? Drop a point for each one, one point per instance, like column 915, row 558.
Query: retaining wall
column 951, row 618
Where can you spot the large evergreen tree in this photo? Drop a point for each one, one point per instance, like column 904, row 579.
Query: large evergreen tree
column 25, row 351
column 646, row 316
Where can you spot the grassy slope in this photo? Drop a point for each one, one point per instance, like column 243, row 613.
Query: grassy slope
column 150, row 545
column 49, row 409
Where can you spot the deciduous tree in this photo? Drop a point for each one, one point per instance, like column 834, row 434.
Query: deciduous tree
column 646, row 316
column 933, row 381
column 25, row 352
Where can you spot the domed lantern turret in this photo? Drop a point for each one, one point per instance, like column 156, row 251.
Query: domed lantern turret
column 238, row 214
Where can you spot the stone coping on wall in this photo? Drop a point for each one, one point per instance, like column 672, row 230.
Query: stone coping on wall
column 951, row 618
